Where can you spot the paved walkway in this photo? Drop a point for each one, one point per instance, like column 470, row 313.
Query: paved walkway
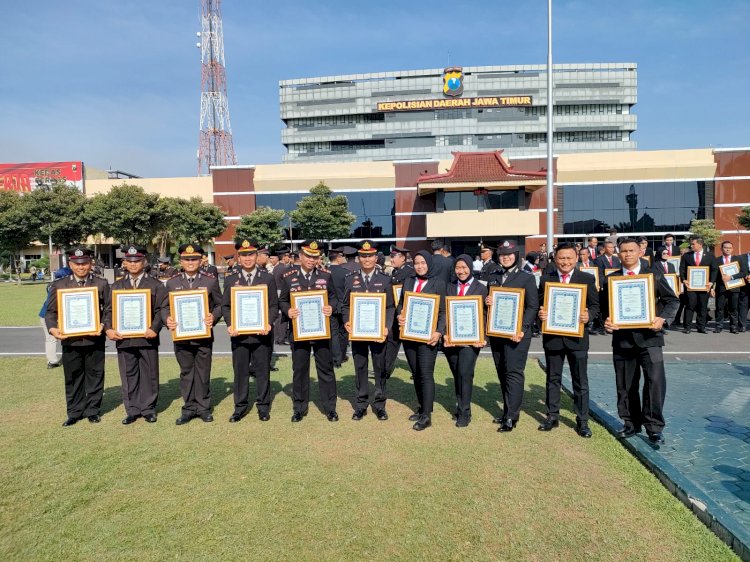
column 706, row 458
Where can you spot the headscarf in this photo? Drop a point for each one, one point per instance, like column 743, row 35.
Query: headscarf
column 428, row 260
column 657, row 254
column 469, row 263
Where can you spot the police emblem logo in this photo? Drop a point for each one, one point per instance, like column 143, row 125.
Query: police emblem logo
column 313, row 245
column 189, row 250
column 79, row 253
column 132, row 251
column 245, row 244
column 366, row 246
column 506, row 244
column 453, row 81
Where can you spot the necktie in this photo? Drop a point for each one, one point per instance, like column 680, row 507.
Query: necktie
column 726, row 260
column 565, row 277
column 307, row 279
column 462, row 290
column 669, row 250
column 190, row 282
column 698, row 258
column 133, row 282
column 82, row 283
column 666, row 268
column 367, row 281
column 609, row 259
column 420, row 284
column 631, row 272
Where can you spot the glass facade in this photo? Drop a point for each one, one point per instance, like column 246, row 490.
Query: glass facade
column 375, row 210
column 468, row 201
column 635, row 207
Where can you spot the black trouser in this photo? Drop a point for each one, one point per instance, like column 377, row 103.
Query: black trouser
column 628, row 364
column 421, row 358
column 462, row 360
column 578, row 362
column 139, row 373
column 83, row 367
column 510, row 362
column 195, row 376
column 392, row 345
column 698, row 304
column 301, row 374
column 280, row 330
column 743, row 305
column 731, row 300
column 259, row 355
column 360, row 353
column 680, row 316
column 338, row 343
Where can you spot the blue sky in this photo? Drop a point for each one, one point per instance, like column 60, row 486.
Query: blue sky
column 118, row 83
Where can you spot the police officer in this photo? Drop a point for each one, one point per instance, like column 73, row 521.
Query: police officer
column 165, row 270
column 194, row 355
column 246, row 348
column 339, row 334
column 207, row 268
column 510, row 354
column 489, row 266
column 82, row 356
column 301, row 278
column 369, row 280
column 232, row 265
column 138, row 357
column 400, row 273
column 281, row 326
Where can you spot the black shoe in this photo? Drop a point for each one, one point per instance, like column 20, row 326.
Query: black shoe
column 382, row 415
column 628, row 431
column 702, row 331
column 337, row 365
column 332, row 416
column 70, row 421
column 95, row 418
column 462, row 421
column 345, row 358
column 422, row 423
column 716, row 330
column 498, row 420
column 741, row 329
column 264, row 417
column 582, row 429
column 150, row 418
column 234, row 418
column 207, row 417
column 732, row 330
column 549, row 424
column 130, row 419
column 274, row 369
column 507, row 426
column 415, row 416
column 686, row 331
column 184, row 418
column 602, row 332
column 297, row 417
column 359, row 414
column 53, row 365
column 656, row 438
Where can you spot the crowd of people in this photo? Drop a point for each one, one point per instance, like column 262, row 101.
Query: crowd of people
column 637, row 352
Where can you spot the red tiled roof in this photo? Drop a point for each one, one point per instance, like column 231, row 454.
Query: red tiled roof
column 478, row 167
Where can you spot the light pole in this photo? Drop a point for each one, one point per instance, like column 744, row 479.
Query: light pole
column 550, row 171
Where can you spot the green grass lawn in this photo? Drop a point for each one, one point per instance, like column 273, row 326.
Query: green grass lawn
column 319, row 490
column 20, row 304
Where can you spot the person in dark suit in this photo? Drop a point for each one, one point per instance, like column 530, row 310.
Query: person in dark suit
column 307, row 277
column 441, row 266
column 608, row 260
column 646, row 252
column 369, row 280
column 207, row 268
column 463, row 358
column 558, row 348
column 421, row 356
column 400, row 273
column 636, row 350
column 744, row 299
column 673, row 250
column 697, row 300
column 728, row 298
column 138, row 357
column 82, row 356
column 194, row 355
column 489, row 266
column 281, row 326
column 247, row 349
column 660, row 261
column 164, row 271
column 510, row 354
column 339, row 337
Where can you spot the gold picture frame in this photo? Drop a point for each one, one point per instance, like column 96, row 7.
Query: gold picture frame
column 692, row 270
column 423, row 335
column 233, row 299
column 450, row 304
column 354, row 335
column 323, row 330
column 175, row 312
column 92, row 327
column 518, row 299
column 547, row 326
column 595, row 272
column 650, row 306
column 117, row 294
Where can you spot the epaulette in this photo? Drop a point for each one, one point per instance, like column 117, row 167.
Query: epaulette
column 351, row 273
column 175, row 275
column 207, row 274
column 288, row 273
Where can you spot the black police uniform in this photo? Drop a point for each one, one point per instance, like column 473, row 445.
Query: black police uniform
column 339, row 337
column 393, row 342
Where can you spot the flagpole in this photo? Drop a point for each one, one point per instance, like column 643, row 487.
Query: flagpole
column 550, row 171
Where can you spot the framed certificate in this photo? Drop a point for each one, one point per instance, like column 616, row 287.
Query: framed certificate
column 506, row 312
column 648, row 259
column 564, row 303
column 189, row 309
column 311, row 324
column 465, row 320
column 421, row 312
column 611, row 270
column 593, row 271
column 673, row 280
column 396, row 293
column 367, row 316
column 675, row 261
column 78, row 311
column 249, row 309
column 732, row 268
column 697, row 278
column 131, row 312
column 631, row 300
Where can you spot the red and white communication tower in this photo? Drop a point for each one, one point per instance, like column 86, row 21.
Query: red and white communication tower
column 215, row 146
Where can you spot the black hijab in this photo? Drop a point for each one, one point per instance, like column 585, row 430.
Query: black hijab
column 428, row 260
column 469, row 263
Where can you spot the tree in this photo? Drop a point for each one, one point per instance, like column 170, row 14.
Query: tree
column 17, row 225
column 323, row 216
column 169, row 211
column 706, row 229
column 59, row 211
column 126, row 213
column 744, row 217
column 263, row 225
column 198, row 221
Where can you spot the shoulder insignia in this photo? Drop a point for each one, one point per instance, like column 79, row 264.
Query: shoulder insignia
column 288, row 273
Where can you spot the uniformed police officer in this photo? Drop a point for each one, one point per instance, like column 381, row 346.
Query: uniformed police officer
column 489, row 266
column 246, row 348
column 194, row 355
column 307, row 277
column 82, row 356
column 339, row 336
column 281, row 326
column 400, row 273
column 232, row 265
column 138, row 357
column 207, row 268
column 369, row 280
column 165, row 270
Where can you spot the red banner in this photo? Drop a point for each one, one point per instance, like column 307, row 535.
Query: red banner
column 29, row 176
